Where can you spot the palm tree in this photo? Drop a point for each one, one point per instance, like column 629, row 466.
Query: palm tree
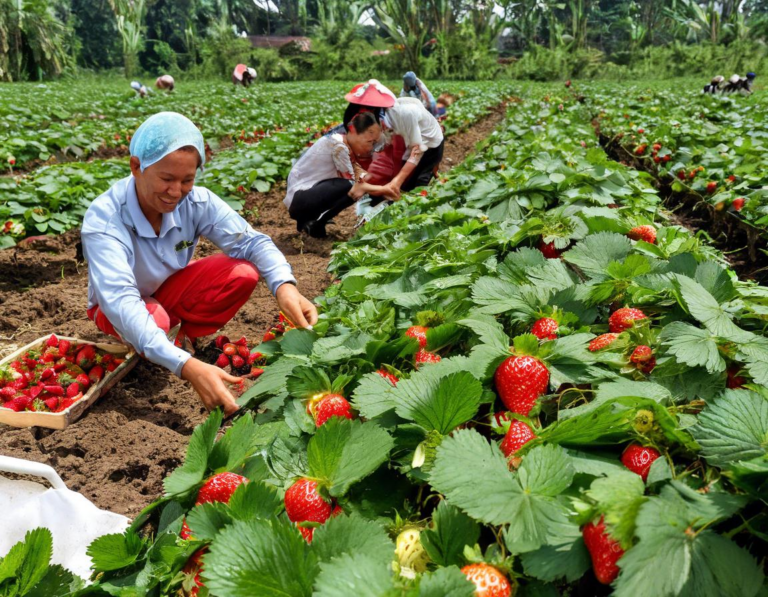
column 31, row 40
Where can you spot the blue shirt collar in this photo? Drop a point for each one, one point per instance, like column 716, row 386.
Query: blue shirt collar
column 141, row 225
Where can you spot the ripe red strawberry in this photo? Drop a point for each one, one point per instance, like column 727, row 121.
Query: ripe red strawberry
column 243, row 351
column 603, row 550
column 52, row 403
column 545, row 329
column 20, row 383
column 222, row 361
column 269, row 335
column 219, row 488
column 34, row 391
column 241, row 342
column 639, row 459
column 711, row 187
column 237, row 361
column 419, row 332
column 108, row 358
column 229, row 349
column 20, row 403
column 656, row 147
column 254, row 358
column 666, row 158
column 83, row 380
column 488, row 581
column 731, row 179
column 738, row 203
column 424, row 356
column 96, row 373
column 624, row 318
column 12, row 405
column 520, row 380
column 256, row 372
column 548, row 250
column 73, row 389
column 59, row 367
column 52, row 341
column 393, row 379
column 86, row 356
column 517, row 436
column 8, row 393
column 681, row 174
column 303, row 503
column 646, row 233
column 65, row 403
column 734, row 381
column 47, row 374
column 641, row 354
column 54, row 389
column 640, row 149
column 220, row 341
column 331, row 405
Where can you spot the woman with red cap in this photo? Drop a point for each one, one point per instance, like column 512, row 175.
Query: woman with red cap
column 243, row 75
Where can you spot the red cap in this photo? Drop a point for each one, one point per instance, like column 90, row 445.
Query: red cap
column 372, row 94
column 239, row 70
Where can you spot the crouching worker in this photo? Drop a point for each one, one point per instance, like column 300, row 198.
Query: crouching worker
column 328, row 178
column 139, row 238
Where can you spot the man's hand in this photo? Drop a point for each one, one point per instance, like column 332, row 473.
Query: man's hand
column 208, row 382
column 300, row 311
column 391, row 191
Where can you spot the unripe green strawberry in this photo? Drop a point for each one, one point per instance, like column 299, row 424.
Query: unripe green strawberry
column 639, row 459
column 646, row 233
column 488, row 580
column 603, row 550
column 624, row 318
column 520, row 380
column 545, row 328
column 419, row 332
column 602, row 341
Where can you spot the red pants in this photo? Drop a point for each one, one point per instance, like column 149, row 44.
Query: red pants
column 203, row 296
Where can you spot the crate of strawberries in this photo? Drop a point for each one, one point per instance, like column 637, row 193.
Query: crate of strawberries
column 53, row 380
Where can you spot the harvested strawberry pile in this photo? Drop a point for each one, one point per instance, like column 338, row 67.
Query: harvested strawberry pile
column 54, row 377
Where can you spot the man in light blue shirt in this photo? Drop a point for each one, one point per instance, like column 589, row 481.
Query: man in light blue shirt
column 414, row 87
column 139, row 238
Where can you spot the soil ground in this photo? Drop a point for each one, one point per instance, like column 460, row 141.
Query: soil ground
column 118, row 454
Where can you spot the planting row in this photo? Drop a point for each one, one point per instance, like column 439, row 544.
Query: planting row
column 525, row 380
column 53, row 199
column 710, row 149
column 62, row 121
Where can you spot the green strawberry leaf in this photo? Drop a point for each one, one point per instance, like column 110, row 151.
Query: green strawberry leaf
column 298, row 342
column 271, row 383
column 27, row 562
column 451, row 531
column 352, row 535
column 714, row 278
column 255, row 499
column 446, row 582
column 692, row 346
column 334, row 349
column 594, row 254
column 474, row 476
column 260, row 557
column 686, row 557
column 734, row 427
column 373, row 396
column 115, row 551
column 230, row 451
column 206, row 520
column 186, row 478
column 57, row 581
column 358, row 574
column 564, row 556
column 705, row 309
column 619, row 497
column 439, row 404
column 490, row 332
column 308, row 380
column 342, row 452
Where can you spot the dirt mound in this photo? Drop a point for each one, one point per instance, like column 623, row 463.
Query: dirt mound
column 118, row 454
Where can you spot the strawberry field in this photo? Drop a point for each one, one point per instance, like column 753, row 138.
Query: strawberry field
column 531, row 376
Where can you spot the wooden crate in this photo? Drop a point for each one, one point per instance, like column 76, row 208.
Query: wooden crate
column 74, row 412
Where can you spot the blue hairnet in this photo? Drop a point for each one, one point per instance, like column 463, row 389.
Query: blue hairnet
column 409, row 79
column 164, row 133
